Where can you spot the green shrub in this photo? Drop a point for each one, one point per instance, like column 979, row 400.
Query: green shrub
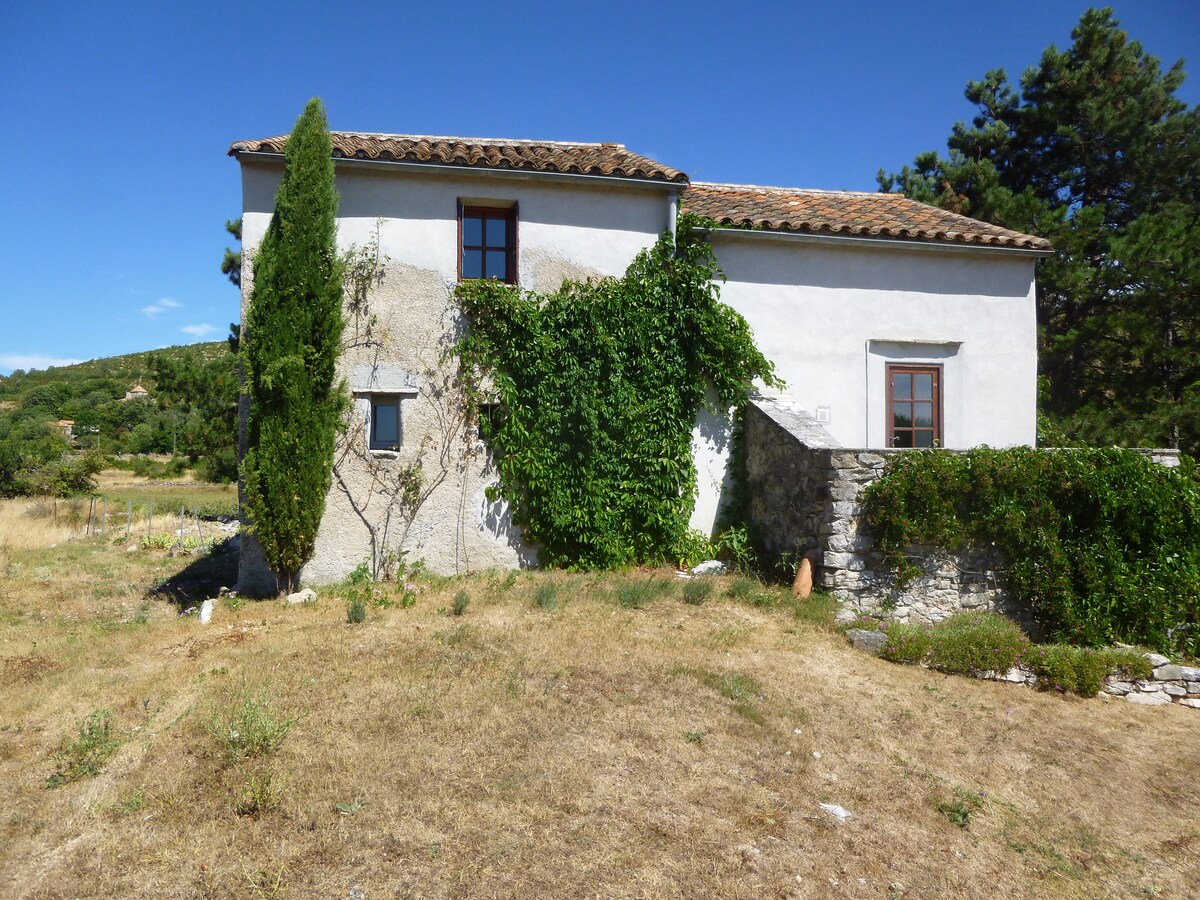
column 546, row 596
column 252, row 727
column 461, row 601
column 1103, row 545
column 1128, row 665
column 260, row 794
column 977, row 642
column 697, row 590
column 85, row 755
column 972, row 643
column 636, row 593
column 1082, row 670
column 356, row 611
column 906, row 643
column 735, row 547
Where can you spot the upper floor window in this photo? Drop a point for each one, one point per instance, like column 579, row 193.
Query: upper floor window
column 914, row 406
column 487, row 239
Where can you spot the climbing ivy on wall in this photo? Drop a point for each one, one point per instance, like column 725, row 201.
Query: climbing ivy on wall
column 1104, row 545
column 593, row 391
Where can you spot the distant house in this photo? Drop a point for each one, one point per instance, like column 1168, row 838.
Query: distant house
column 137, row 392
column 65, row 428
column 894, row 324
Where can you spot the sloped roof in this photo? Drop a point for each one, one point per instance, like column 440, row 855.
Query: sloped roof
column 854, row 213
column 611, row 160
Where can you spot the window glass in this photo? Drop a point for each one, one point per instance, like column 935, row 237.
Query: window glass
column 923, row 385
column 901, row 415
column 385, row 423
column 902, row 386
column 923, row 415
column 488, row 247
column 496, row 267
column 472, row 265
column 472, row 231
column 497, row 233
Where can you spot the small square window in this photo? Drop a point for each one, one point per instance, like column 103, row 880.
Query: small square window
column 487, row 243
column 385, row 422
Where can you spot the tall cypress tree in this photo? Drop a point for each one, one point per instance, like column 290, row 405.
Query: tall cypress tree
column 290, row 343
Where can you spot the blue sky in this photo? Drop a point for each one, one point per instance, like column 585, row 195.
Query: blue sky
column 118, row 116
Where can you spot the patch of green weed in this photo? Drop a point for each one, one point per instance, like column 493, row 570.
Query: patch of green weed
column 85, row 755
column 250, row 727
column 461, row 601
column 744, row 690
column 697, row 590
column 546, row 596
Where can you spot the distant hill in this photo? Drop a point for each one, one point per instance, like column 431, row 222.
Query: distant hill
column 190, row 411
column 131, row 368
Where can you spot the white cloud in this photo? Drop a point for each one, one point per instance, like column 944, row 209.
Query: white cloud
column 159, row 306
column 27, row 361
column 198, row 330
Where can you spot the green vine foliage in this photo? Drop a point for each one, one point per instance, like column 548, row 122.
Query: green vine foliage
column 596, row 388
column 1103, row 545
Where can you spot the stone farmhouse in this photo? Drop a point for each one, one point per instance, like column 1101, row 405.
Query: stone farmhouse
column 894, row 324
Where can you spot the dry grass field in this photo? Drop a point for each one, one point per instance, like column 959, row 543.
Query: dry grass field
column 554, row 740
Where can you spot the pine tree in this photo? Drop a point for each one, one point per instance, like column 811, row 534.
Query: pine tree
column 1095, row 152
column 290, row 344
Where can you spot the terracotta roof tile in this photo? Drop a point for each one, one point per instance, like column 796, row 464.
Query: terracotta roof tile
column 612, row 160
column 845, row 212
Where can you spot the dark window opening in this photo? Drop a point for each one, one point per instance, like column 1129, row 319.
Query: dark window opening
column 385, row 423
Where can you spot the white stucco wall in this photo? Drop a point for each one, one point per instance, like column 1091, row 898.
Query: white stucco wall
column 831, row 316
column 565, row 229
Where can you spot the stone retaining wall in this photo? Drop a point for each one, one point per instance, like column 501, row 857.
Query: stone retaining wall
column 804, row 497
column 1168, row 683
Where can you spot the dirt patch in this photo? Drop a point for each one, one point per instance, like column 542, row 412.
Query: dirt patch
column 27, row 669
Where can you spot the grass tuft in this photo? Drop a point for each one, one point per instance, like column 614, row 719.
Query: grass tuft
column 638, row 593
column 697, row 590
column 251, row 727
column 84, row 756
column 461, row 601
column 546, row 596
column 744, row 690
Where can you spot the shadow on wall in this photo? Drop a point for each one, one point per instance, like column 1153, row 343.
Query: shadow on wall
column 874, row 268
column 495, row 519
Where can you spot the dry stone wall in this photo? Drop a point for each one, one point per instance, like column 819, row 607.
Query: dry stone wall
column 805, row 499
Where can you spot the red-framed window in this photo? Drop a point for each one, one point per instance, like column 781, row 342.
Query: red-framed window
column 914, row 406
column 487, row 242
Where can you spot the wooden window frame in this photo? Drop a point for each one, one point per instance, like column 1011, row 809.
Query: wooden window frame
column 512, row 241
column 914, row 369
column 382, row 399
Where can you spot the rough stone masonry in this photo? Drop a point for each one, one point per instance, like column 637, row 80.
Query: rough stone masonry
column 804, row 495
